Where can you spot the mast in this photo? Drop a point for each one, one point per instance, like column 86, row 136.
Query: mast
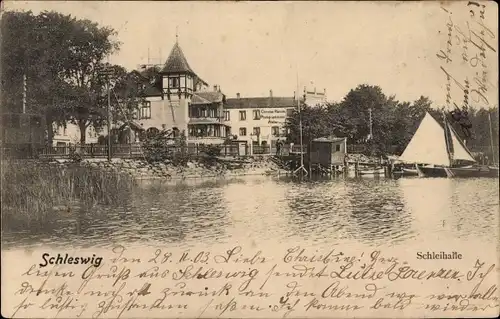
column 301, row 168
column 25, row 89
column 491, row 139
column 371, row 123
column 448, row 141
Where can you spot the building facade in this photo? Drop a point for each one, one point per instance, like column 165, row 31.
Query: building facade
column 70, row 135
column 261, row 120
column 258, row 120
column 179, row 100
column 314, row 97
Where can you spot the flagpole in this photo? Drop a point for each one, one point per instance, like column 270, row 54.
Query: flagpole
column 302, row 168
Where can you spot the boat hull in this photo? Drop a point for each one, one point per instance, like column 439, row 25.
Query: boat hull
column 410, row 172
column 426, row 171
column 372, row 172
column 463, row 172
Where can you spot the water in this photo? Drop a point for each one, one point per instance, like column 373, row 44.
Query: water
column 370, row 211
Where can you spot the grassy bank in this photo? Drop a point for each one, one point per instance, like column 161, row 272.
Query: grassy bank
column 34, row 194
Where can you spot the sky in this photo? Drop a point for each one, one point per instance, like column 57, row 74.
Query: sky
column 254, row 47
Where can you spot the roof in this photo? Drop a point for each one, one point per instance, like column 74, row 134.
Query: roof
column 260, row 102
column 329, row 139
column 151, row 87
column 177, row 62
column 207, row 97
column 133, row 125
column 151, row 90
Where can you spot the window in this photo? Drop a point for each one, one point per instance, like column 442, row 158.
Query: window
column 217, row 131
column 243, row 131
column 227, row 116
column 256, row 131
column 175, row 131
column 256, row 114
column 152, row 131
column 275, row 130
column 337, row 148
column 146, row 110
column 243, row 115
column 173, row 83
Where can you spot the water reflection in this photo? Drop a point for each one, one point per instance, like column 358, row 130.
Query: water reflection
column 377, row 211
column 374, row 211
column 453, row 208
column 366, row 210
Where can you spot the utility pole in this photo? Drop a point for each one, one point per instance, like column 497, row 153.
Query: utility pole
column 491, row 140
column 107, row 72
column 108, row 109
column 25, row 89
column 371, row 123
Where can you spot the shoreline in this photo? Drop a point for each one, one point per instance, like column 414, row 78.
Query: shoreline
column 194, row 169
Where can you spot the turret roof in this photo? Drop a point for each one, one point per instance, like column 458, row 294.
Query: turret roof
column 177, row 62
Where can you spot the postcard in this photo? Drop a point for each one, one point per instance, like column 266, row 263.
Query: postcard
column 210, row 159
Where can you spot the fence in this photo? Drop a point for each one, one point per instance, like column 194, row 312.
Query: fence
column 137, row 151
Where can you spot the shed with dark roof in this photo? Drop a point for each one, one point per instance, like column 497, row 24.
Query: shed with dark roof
column 328, row 151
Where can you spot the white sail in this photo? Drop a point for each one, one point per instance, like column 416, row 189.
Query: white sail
column 459, row 150
column 428, row 145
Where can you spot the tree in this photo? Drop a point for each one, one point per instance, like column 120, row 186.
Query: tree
column 60, row 56
column 35, row 52
column 314, row 124
column 88, row 45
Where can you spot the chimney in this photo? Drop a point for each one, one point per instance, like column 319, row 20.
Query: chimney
column 271, row 93
column 238, row 95
column 219, row 88
column 215, row 88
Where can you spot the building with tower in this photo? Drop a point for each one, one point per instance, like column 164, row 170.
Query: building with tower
column 178, row 99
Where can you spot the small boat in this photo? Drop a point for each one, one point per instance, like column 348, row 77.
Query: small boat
column 409, row 172
column 443, row 152
column 376, row 171
column 474, row 171
column 431, row 171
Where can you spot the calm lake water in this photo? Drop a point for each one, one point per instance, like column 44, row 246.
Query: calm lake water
column 372, row 211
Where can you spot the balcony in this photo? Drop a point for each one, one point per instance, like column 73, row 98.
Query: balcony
column 206, row 120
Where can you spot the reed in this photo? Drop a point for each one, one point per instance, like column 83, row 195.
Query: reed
column 34, row 193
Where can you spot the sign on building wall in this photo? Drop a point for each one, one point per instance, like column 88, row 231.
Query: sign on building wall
column 276, row 116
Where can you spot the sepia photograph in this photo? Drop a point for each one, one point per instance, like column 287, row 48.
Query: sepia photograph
column 249, row 159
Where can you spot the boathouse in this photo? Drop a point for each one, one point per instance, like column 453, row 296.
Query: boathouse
column 328, row 152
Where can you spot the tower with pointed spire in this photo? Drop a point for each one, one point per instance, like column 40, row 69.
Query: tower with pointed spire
column 182, row 102
column 178, row 77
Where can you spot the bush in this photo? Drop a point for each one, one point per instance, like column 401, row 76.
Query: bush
column 75, row 155
column 211, row 150
column 162, row 147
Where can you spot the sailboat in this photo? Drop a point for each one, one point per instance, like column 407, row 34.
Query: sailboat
column 437, row 151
